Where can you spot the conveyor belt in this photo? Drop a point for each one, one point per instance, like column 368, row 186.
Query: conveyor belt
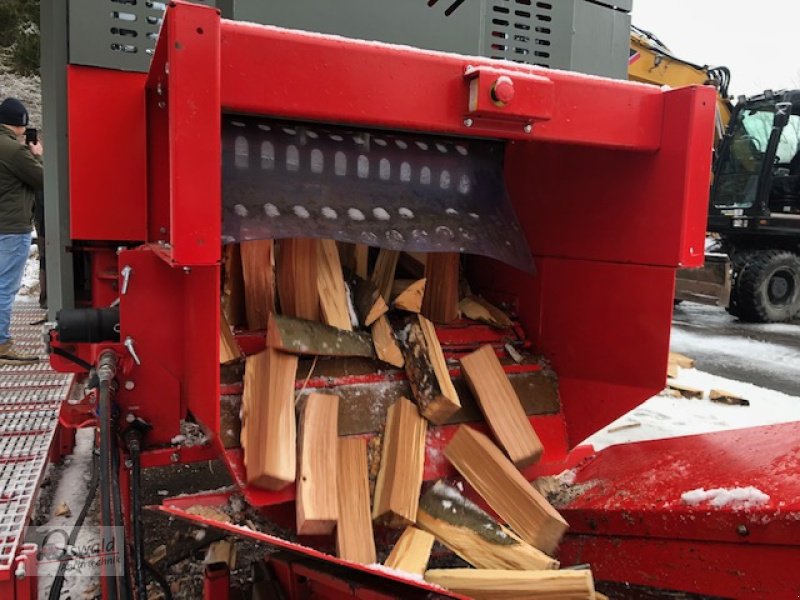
column 30, row 400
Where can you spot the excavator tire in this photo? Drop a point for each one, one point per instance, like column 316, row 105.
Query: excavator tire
column 738, row 262
column 768, row 287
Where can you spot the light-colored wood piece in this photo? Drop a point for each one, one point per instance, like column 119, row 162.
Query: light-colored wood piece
column 411, row 552
column 683, row 361
column 383, row 274
column 427, row 372
column 354, row 539
column 408, row 295
column 269, row 436
column 473, row 535
column 673, row 370
column 687, row 391
column 258, row 271
column 232, row 299
column 501, row 406
column 223, row 551
column 599, row 596
column 297, row 278
column 209, row 512
column 440, row 303
column 385, row 343
column 402, row 460
column 298, row 336
column 726, row 397
column 229, row 349
column 495, row 584
column 505, row 490
column 333, row 300
column 316, row 501
column 361, row 259
column 478, row 309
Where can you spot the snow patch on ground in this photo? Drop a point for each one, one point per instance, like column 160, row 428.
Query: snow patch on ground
column 773, row 357
column 30, row 279
column 73, row 487
column 719, row 497
column 664, row 416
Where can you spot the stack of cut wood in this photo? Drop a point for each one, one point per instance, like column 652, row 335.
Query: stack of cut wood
column 318, row 298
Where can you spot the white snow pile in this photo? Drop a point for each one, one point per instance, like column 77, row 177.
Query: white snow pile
column 719, row 497
column 664, row 416
column 396, row 572
column 30, row 279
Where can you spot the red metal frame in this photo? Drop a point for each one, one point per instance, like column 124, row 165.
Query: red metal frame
column 583, row 225
column 178, row 507
column 609, row 183
column 631, row 524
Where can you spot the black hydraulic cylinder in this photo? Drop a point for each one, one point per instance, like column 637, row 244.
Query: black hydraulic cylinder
column 88, row 325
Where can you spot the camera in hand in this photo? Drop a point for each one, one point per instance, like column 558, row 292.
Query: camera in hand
column 31, row 135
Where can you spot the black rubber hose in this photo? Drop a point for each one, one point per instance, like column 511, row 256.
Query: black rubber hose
column 134, row 449
column 123, row 584
column 159, row 579
column 58, row 580
column 106, row 466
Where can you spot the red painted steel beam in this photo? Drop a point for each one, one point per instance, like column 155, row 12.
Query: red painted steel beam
column 710, row 568
column 635, row 489
column 631, row 524
column 178, row 507
column 314, row 77
column 216, row 582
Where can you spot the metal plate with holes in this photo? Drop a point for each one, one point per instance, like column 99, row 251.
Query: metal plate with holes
column 116, row 34
column 30, row 400
column 394, row 190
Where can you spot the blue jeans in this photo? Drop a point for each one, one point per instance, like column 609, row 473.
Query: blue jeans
column 14, row 250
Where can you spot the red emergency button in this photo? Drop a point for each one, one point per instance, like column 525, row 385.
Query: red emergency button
column 502, row 90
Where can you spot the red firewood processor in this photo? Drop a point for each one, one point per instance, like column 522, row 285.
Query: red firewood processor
column 393, row 287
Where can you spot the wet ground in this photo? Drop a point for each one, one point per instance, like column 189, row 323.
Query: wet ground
column 766, row 355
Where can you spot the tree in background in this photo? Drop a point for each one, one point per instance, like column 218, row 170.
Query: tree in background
column 19, row 34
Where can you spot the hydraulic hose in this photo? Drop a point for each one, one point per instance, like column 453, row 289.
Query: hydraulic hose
column 124, row 585
column 106, row 371
column 134, row 450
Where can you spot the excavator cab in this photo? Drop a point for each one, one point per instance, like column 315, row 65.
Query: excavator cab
column 755, row 206
column 757, row 172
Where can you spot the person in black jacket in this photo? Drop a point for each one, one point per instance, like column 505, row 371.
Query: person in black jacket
column 21, row 174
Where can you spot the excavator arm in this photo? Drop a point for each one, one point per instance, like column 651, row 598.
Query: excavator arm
column 652, row 62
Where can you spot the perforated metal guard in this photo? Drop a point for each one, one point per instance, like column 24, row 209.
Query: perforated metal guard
column 520, row 30
column 389, row 189
column 116, row 34
column 30, row 399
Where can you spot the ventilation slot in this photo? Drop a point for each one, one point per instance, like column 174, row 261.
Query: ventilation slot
column 124, row 48
column 124, row 32
column 453, row 6
column 512, row 22
column 123, row 16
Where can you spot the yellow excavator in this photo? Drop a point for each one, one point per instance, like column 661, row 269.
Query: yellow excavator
column 650, row 61
column 754, row 206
